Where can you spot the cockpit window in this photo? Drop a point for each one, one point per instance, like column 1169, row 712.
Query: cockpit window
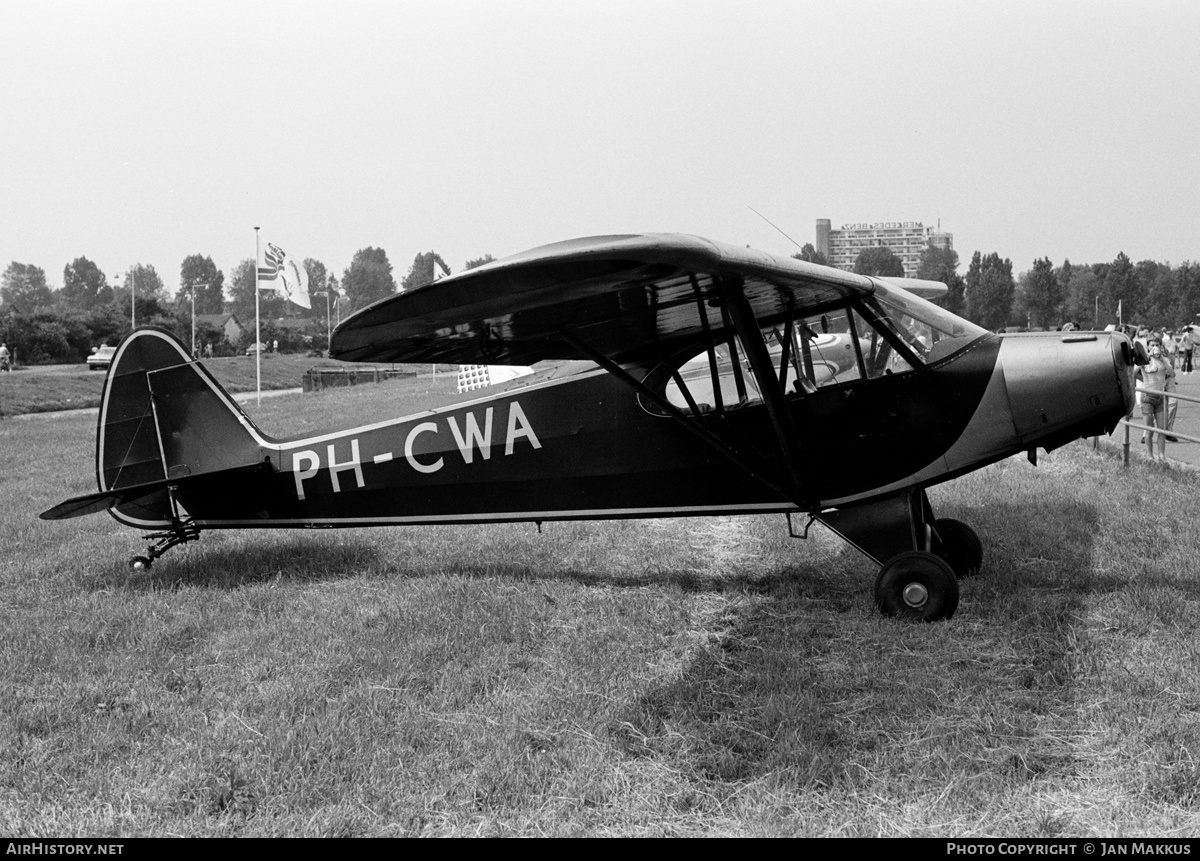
column 717, row 381
column 885, row 334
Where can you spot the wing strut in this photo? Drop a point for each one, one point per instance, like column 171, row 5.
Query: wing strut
column 764, row 375
column 705, row 435
column 708, row 343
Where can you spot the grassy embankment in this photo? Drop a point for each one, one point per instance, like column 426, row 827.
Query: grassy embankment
column 692, row 677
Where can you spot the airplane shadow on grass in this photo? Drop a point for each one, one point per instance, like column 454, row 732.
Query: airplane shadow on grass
column 806, row 685
column 224, row 566
column 1011, row 534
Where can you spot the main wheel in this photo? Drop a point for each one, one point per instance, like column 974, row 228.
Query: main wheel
column 960, row 546
column 917, row 585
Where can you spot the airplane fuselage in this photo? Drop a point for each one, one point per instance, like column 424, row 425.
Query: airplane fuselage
column 588, row 446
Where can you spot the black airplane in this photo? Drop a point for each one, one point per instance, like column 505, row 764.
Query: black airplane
column 690, row 378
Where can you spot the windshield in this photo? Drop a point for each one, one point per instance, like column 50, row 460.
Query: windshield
column 930, row 331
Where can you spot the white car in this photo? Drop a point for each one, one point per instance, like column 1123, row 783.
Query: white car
column 101, row 358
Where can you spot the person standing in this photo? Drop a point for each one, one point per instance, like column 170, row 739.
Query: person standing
column 1158, row 375
column 1168, row 346
column 1185, row 349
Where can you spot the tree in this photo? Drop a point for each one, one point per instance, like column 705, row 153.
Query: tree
column 1041, row 296
column 1121, row 288
column 147, row 287
column 989, row 291
column 1187, row 292
column 271, row 303
column 878, row 260
column 200, row 275
column 809, row 254
column 23, row 288
column 318, row 282
column 941, row 264
column 477, row 262
column 1081, row 295
column 106, row 324
column 423, row 270
column 368, row 278
column 1156, row 286
column 1064, row 273
column 85, row 286
column 150, row 296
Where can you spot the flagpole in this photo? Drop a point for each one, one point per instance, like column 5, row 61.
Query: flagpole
column 257, row 335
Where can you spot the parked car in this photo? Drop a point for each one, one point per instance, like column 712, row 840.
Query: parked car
column 260, row 347
column 101, row 358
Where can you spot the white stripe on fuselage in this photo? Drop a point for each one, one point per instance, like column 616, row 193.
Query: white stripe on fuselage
column 307, row 463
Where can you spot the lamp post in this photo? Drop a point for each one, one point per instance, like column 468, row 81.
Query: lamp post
column 193, row 291
column 328, row 328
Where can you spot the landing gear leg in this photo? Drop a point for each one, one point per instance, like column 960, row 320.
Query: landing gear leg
column 921, row 558
column 958, row 544
column 183, row 529
column 161, row 542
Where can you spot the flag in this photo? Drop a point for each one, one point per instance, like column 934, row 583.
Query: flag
column 277, row 271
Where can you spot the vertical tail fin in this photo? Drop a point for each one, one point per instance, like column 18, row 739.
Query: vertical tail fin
column 164, row 416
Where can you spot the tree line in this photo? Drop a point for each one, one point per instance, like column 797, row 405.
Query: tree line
column 41, row 324
column 1090, row 296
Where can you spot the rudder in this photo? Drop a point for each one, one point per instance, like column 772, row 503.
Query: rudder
column 163, row 415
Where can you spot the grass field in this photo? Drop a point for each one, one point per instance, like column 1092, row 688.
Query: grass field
column 33, row 390
column 656, row 677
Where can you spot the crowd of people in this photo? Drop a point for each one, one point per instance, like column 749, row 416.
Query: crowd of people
column 1168, row 355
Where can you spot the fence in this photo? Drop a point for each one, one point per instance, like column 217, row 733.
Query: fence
column 1129, row 424
column 316, row 379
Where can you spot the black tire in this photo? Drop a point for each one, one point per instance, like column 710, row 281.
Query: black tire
column 917, row 585
column 960, row 546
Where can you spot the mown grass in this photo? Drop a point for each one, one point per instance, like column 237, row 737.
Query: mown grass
column 656, row 677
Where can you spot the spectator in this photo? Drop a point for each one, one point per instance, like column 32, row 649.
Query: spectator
column 1158, row 375
column 1168, row 346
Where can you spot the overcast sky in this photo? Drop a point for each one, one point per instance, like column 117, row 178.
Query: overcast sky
column 147, row 131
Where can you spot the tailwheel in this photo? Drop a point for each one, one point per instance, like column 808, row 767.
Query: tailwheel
column 917, row 585
column 180, row 533
column 183, row 529
column 960, row 546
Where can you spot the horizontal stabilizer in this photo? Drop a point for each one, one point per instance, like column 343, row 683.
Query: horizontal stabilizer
column 93, row 503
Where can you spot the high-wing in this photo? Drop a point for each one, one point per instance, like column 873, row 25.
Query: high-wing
column 630, row 297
